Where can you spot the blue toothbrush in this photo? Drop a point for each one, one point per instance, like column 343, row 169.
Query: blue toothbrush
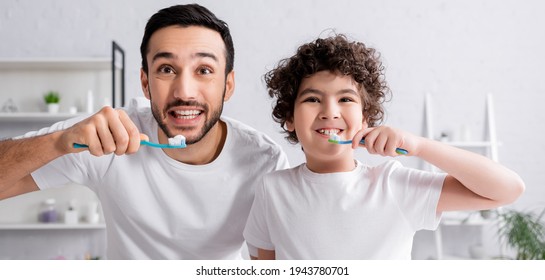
column 336, row 139
column 177, row 142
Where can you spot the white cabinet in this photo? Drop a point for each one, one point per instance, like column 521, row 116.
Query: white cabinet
column 24, row 83
column 52, row 241
column 80, row 81
column 23, row 237
column 26, row 80
column 479, row 231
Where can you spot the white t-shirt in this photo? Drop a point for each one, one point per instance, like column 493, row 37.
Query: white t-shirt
column 367, row 213
column 158, row 208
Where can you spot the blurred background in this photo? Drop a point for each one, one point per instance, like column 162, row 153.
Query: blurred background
column 462, row 58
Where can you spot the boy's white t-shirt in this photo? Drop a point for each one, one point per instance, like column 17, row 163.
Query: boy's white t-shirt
column 367, row 213
column 158, row 208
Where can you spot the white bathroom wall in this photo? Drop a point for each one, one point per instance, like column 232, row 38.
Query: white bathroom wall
column 458, row 51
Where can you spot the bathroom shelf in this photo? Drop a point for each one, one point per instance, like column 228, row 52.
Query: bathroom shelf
column 472, row 144
column 39, row 226
column 25, row 79
column 487, row 147
column 76, row 63
column 37, row 117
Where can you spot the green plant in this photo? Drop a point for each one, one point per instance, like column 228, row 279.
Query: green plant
column 524, row 232
column 52, row 97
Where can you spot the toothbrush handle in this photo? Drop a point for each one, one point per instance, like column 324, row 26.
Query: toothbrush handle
column 155, row 145
column 142, row 142
column 399, row 151
column 76, row 145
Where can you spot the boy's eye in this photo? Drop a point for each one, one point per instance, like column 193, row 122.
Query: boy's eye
column 346, row 99
column 311, row 100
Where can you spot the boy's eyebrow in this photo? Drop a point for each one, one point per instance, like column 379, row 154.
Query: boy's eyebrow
column 316, row 91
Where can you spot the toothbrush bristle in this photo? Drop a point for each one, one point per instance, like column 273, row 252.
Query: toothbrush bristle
column 334, row 137
column 178, row 140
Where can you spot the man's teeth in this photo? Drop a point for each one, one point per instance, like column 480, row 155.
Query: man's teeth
column 328, row 131
column 187, row 114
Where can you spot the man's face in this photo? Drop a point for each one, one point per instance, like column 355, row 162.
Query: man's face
column 186, row 82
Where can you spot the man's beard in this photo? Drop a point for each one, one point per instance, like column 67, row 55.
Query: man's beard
column 208, row 124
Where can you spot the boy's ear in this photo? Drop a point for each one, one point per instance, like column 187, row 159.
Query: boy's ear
column 289, row 126
column 364, row 124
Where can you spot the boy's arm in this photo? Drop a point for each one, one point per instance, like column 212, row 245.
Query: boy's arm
column 107, row 131
column 263, row 254
column 473, row 182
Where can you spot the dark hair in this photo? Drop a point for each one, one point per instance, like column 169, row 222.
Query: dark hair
column 335, row 54
column 184, row 16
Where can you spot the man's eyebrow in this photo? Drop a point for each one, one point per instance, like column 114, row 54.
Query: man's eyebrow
column 158, row 55
column 207, row 54
column 169, row 55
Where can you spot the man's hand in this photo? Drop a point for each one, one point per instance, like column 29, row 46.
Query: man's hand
column 108, row 131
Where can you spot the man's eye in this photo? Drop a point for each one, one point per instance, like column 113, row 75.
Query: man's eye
column 205, row 71
column 166, row 69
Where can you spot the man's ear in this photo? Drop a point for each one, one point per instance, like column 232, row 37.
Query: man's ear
column 229, row 85
column 145, row 83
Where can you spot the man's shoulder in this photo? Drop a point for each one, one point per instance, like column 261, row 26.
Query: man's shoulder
column 243, row 135
column 242, row 131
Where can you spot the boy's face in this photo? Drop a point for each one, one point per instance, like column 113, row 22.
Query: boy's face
column 326, row 103
column 186, row 80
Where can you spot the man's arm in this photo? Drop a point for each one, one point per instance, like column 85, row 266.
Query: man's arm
column 108, row 131
column 22, row 157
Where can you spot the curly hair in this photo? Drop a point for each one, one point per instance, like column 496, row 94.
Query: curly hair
column 335, row 54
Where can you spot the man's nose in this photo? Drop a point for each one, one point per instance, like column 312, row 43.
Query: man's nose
column 185, row 86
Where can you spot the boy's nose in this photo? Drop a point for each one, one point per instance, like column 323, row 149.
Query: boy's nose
column 329, row 111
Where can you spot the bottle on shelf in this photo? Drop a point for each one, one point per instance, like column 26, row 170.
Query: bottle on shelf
column 90, row 102
column 71, row 214
column 93, row 215
column 48, row 211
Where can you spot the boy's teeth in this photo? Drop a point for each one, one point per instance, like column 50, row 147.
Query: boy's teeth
column 329, row 131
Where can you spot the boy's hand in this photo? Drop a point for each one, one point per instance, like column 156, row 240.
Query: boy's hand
column 384, row 140
column 108, row 131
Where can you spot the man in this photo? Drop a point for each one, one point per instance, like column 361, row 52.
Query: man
column 189, row 203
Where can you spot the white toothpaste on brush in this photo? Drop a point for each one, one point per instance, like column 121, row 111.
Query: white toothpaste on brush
column 178, row 140
column 335, row 137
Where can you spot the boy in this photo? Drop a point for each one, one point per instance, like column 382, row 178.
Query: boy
column 335, row 207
